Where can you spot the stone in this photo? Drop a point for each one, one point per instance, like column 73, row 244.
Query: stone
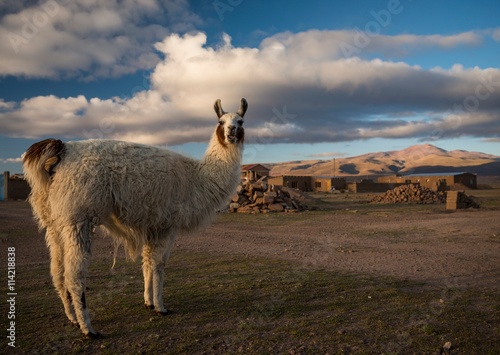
column 245, row 209
column 243, row 200
column 268, row 199
column 289, row 202
column 447, row 346
column 271, row 194
column 259, row 201
column 257, row 194
column 276, row 207
column 258, row 186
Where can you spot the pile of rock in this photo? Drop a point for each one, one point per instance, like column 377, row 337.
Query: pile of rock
column 411, row 193
column 260, row 197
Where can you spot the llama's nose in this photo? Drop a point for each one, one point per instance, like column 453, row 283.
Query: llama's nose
column 232, row 129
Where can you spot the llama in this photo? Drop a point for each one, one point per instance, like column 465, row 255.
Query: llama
column 141, row 195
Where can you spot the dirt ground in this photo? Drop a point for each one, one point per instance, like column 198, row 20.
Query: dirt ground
column 444, row 249
column 421, row 243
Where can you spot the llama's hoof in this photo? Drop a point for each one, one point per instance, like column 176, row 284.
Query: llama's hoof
column 150, row 306
column 164, row 313
column 93, row 336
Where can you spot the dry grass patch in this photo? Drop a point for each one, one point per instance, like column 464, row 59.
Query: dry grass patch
column 228, row 304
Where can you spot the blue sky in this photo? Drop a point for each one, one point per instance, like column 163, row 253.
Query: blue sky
column 323, row 79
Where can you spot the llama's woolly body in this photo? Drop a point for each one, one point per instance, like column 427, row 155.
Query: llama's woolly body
column 139, row 192
column 142, row 195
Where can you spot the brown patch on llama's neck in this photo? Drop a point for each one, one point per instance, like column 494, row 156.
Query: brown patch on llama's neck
column 221, row 136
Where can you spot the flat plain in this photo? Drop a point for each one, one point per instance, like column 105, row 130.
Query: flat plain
column 347, row 277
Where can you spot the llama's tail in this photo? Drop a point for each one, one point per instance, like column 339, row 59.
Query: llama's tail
column 39, row 163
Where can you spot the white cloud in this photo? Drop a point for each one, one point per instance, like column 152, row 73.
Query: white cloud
column 319, row 45
column 55, row 38
column 450, row 126
column 495, row 34
column 6, row 106
column 328, row 155
column 11, row 160
column 327, row 96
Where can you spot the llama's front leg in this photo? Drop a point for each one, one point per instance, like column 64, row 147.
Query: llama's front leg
column 76, row 257
column 57, row 271
column 154, row 261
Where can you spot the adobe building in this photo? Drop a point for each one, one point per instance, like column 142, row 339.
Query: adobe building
column 253, row 172
column 434, row 181
column 309, row 183
column 15, row 187
column 327, row 183
column 368, row 185
column 302, row 183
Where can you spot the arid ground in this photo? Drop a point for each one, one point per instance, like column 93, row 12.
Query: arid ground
column 349, row 277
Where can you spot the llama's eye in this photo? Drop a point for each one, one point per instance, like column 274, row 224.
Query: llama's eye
column 221, row 122
column 240, row 122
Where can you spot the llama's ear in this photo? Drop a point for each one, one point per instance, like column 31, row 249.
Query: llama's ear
column 218, row 108
column 243, row 107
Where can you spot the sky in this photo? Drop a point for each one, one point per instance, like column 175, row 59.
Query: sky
column 323, row 79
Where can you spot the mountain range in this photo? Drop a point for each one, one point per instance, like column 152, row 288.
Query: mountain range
column 422, row 158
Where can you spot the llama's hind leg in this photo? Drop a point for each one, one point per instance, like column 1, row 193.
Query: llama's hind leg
column 155, row 258
column 57, row 271
column 76, row 258
column 147, row 264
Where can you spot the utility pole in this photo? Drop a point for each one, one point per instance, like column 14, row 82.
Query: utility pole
column 334, row 169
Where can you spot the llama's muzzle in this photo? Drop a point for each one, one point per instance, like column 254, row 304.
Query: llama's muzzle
column 231, row 136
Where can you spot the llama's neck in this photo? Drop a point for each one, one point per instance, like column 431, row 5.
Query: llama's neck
column 224, row 156
column 220, row 170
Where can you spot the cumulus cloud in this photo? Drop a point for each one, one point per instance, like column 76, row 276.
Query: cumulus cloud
column 301, row 88
column 55, row 38
column 318, row 45
column 328, row 155
column 450, row 126
column 11, row 160
column 495, row 34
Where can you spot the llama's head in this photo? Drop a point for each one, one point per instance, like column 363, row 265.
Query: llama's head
column 230, row 129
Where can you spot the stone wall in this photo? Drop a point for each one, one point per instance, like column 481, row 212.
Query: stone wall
column 458, row 199
column 15, row 187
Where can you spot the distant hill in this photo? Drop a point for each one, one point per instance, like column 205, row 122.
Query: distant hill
column 423, row 158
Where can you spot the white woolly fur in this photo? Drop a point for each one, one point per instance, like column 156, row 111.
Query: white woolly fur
column 142, row 195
